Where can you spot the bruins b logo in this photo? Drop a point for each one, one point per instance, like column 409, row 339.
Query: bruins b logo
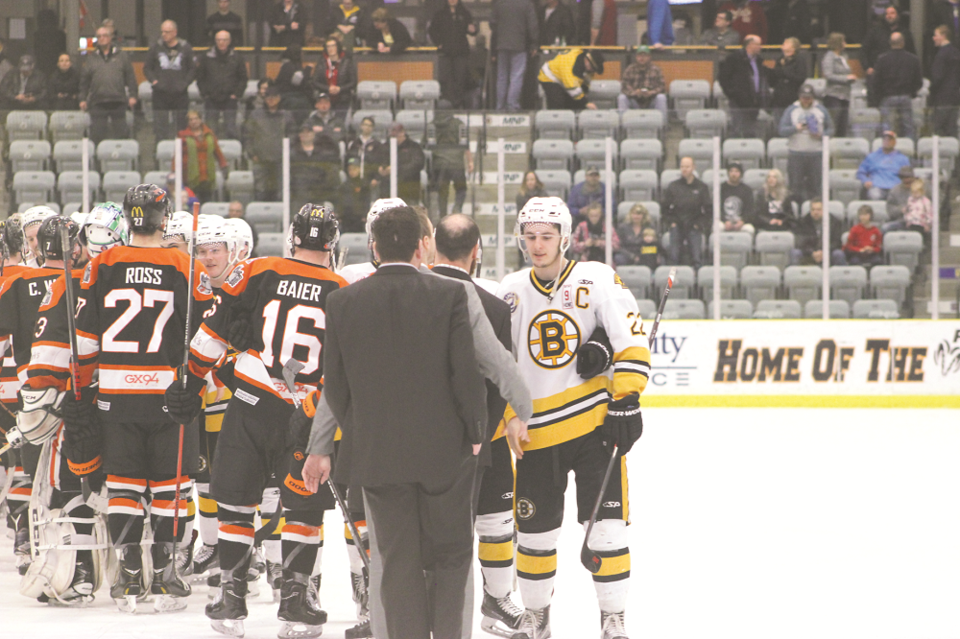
column 553, row 339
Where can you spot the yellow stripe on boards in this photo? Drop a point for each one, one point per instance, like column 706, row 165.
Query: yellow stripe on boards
column 800, row 401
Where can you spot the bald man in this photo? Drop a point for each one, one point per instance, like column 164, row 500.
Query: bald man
column 169, row 68
column 897, row 79
column 222, row 78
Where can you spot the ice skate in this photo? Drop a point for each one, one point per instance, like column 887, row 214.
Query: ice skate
column 534, row 624
column 500, row 616
column 229, row 608
column 21, row 550
column 257, row 567
column 205, row 562
column 170, row 590
column 275, row 579
column 361, row 595
column 611, row 626
column 129, row 584
column 185, row 557
column 313, row 590
column 301, row 619
column 80, row 592
column 360, row 631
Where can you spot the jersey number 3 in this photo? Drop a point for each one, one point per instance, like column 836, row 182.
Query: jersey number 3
column 291, row 337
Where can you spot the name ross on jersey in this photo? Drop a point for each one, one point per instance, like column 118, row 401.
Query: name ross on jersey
column 144, row 275
column 300, row 290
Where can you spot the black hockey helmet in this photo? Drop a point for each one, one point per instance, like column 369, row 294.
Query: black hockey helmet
column 314, row 228
column 48, row 237
column 11, row 236
column 146, row 207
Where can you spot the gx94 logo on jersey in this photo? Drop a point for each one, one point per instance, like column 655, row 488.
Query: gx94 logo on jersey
column 553, row 339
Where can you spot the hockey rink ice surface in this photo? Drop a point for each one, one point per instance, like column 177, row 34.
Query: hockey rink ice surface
column 746, row 523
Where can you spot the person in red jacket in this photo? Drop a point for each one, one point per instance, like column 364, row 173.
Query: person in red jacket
column 865, row 242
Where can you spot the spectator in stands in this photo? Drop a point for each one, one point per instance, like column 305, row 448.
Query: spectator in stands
column 650, row 254
column 388, row 34
column 222, row 80
column 642, row 85
column 947, row 13
column 49, row 41
column 107, row 87
column 743, row 79
column 787, row 76
column 259, row 99
column 188, row 197
column 201, row 157
column 898, row 78
column 736, row 201
column 632, row 236
column 790, row 19
column 806, row 121
column 449, row 29
column 556, row 24
column 350, row 21
column 288, row 22
column 263, row 136
column 809, row 238
column 835, row 69
column 880, row 170
column 687, row 213
column 585, row 193
column 531, row 187
column 410, row 161
column 864, row 245
column 659, row 24
column 748, row 18
column 721, row 34
column 236, row 211
column 452, row 159
column 336, row 76
column 325, row 120
column 5, row 65
column 897, row 200
column 683, row 31
column 589, row 239
column 566, row 79
column 24, row 89
column 169, row 68
column 314, row 174
column 603, row 22
column 370, row 151
column 63, row 87
column 918, row 214
column 225, row 20
column 353, row 199
column 878, row 40
column 774, row 211
column 944, row 83
column 293, row 80
column 516, row 34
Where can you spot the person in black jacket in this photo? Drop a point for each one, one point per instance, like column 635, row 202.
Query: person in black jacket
column 336, row 75
column 449, row 29
column 809, row 234
column 743, row 79
column 878, row 39
column 556, row 24
column 897, row 79
column 940, row 12
column 222, row 79
column 288, row 21
column 295, row 84
column 108, row 87
column 388, row 35
column 687, row 210
column 225, row 20
column 353, row 199
column 63, row 87
column 48, row 42
column 170, row 68
column 314, row 170
column 787, row 76
column 410, row 161
column 945, row 83
column 351, row 21
column 24, row 89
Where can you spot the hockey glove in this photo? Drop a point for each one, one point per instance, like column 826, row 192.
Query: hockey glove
column 595, row 356
column 81, row 432
column 298, row 434
column 240, row 334
column 184, row 404
column 623, row 424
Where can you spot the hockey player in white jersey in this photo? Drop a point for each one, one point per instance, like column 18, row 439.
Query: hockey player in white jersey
column 355, row 272
column 556, row 306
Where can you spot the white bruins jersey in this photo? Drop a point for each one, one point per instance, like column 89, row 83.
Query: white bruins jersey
column 356, row 272
column 490, row 286
column 548, row 331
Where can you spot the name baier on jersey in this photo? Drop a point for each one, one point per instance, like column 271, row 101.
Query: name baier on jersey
column 549, row 329
column 287, row 298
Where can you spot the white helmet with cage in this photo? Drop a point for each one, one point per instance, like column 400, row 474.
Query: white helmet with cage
column 104, row 227
column 545, row 210
column 35, row 215
column 179, row 228
column 378, row 207
column 243, row 235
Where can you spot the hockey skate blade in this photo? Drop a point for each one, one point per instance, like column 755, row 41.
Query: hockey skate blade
column 127, row 604
column 168, row 603
column 496, row 627
column 228, row 627
column 297, row 630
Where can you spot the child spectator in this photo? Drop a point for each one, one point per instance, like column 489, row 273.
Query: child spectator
column 631, row 235
column 589, row 241
column 918, row 214
column 650, row 249
column 864, row 243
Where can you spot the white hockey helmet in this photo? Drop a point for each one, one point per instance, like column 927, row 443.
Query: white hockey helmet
column 35, row 215
column 179, row 227
column 545, row 210
column 378, row 207
column 105, row 227
column 79, row 217
column 243, row 234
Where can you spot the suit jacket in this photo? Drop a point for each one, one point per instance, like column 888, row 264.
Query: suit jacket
column 498, row 312
column 736, row 80
column 945, row 77
column 401, row 378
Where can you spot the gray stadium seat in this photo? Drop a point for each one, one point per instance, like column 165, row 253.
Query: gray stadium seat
column 669, row 176
column 145, row 95
column 707, row 178
column 240, row 185
column 728, row 282
column 26, row 205
column 554, row 155
column 382, row 119
column 70, row 186
column 684, row 309
column 688, row 94
column 732, row 309
column 215, row 208
column 735, row 248
column 265, row 217
column 641, row 154
column 700, row 150
column 603, row 93
column 556, row 183
column 155, row 177
column 803, row 283
column 949, row 150
column 638, row 185
column 555, row 124
column 164, row 154
column 705, row 123
column 71, row 207
column 838, row 309
column 903, row 248
column 759, row 283
column 29, row 155
column 875, row 309
column 356, row 246
column 844, row 185
column 642, row 123
column 419, row 94
column 777, row 309
column 864, row 123
column 376, row 95
column 598, row 124
column 653, row 209
column 773, row 247
column 270, row 244
column 233, row 153
column 26, row 125
column 593, row 153
column 905, row 145
column 648, row 309
column 68, row 155
column 848, row 283
column 819, row 86
column 638, row 279
column 890, row 282
column 754, row 178
column 116, row 183
column 848, row 153
column 777, row 153
column 68, row 125
column 683, row 285
column 879, row 211
column 119, row 155
column 750, row 152
column 415, row 123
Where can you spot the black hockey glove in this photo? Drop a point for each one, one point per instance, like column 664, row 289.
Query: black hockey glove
column 184, row 404
column 298, row 429
column 595, row 356
column 240, row 334
column 81, row 432
column 623, row 424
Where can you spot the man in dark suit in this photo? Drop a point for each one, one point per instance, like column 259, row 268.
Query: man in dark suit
column 743, row 79
column 402, row 379
column 945, row 83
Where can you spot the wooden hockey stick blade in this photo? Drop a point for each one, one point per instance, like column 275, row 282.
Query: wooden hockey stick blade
column 588, row 557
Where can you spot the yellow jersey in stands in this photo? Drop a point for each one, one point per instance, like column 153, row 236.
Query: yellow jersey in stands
column 567, row 70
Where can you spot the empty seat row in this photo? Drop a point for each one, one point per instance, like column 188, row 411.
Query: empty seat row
column 67, row 155
column 560, row 124
column 771, row 309
column 414, row 94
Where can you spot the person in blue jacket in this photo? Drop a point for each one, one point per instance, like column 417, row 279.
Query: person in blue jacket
column 880, row 171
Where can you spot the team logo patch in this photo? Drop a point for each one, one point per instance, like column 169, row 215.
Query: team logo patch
column 86, row 273
column 236, row 276
column 47, row 297
column 553, row 339
column 204, row 287
column 617, row 280
column 202, row 466
column 512, row 301
column 611, row 504
column 526, row 509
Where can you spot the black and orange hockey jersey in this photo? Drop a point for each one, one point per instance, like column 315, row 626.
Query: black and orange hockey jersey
column 20, row 298
column 9, row 384
column 49, row 364
column 288, row 296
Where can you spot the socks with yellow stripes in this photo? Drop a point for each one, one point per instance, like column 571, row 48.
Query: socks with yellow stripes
column 537, row 567
column 495, row 552
column 353, row 552
column 208, row 515
column 612, row 582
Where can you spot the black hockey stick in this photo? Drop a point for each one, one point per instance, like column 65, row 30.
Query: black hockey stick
column 67, row 250
column 589, row 557
column 290, row 370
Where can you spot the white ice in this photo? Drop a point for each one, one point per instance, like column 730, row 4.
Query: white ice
column 746, row 523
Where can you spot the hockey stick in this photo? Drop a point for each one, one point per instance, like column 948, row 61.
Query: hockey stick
column 290, row 370
column 67, row 251
column 589, row 557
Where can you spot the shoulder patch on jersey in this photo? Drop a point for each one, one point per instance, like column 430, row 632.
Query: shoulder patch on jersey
column 236, row 275
column 512, row 301
column 86, row 273
column 47, row 296
column 204, row 287
column 617, row 280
